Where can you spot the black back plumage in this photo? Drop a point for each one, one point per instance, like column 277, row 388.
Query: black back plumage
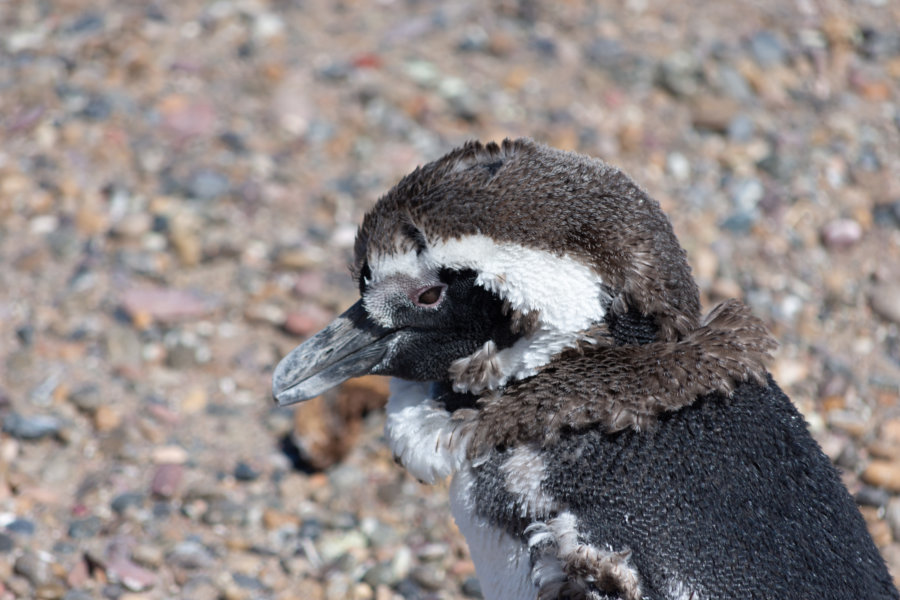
column 732, row 496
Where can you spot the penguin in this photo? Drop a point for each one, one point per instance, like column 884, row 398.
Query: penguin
column 605, row 439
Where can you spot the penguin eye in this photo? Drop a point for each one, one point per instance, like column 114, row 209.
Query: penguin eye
column 431, row 296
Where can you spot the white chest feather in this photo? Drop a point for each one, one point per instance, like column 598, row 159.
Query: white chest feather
column 421, row 433
column 501, row 561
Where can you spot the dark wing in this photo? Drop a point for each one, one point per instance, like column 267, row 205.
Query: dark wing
column 729, row 497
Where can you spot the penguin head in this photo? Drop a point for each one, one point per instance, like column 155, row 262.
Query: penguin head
column 478, row 268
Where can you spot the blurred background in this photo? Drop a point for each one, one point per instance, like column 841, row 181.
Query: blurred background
column 180, row 185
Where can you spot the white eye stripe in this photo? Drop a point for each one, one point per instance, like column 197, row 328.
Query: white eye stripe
column 568, row 293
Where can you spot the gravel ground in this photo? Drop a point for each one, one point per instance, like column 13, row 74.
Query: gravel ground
column 180, row 184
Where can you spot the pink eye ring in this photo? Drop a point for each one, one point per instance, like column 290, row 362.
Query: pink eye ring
column 429, row 297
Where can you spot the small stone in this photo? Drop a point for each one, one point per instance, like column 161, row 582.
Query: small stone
column 195, row 401
column 767, row 49
column 225, row 512
column 86, row 398
column 884, row 474
column 125, row 501
column 207, row 184
column 890, row 431
column 166, row 480
column 333, row 545
column 885, row 301
column 380, row 574
column 166, row 305
column 21, row 526
column 244, row 472
column 713, row 113
column 132, row 226
column 265, row 312
column 148, row 555
column 869, row 496
column 307, row 320
column 841, row 233
column 679, row 74
column 429, row 577
column 32, row 427
column 892, row 516
column 190, row 555
column 34, row 568
column 849, row 422
column 88, row 527
column 679, row 166
column 741, row 128
column 247, row 582
column 184, row 117
column 471, row 587
column 173, row 455
column 120, row 568
column 276, row 519
column 187, row 245
column 107, row 418
column 294, row 258
column 6, row 543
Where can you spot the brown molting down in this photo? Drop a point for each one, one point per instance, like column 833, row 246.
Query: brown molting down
column 477, row 372
column 625, row 386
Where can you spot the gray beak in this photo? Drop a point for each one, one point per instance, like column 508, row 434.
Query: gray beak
column 350, row 346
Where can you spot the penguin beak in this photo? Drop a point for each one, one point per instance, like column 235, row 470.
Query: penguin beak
column 352, row 345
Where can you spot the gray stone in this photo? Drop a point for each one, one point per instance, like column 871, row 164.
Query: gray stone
column 885, row 301
column 85, row 528
column 471, row 587
column 767, row 49
column 121, row 503
column 32, row 427
column 32, row 567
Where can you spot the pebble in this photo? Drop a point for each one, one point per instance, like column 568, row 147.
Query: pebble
column 86, row 398
column 126, row 501
column 21, row 526
column 88, row 527
column 244, row 472
column 892, row 516
column 190, row 555
column 471, row 587
column 713, row 113
column 7, row 543
column 167, row 305
column 333, row 545
column 307, row 320
column 767, row 49
column 31, row 427
column 171, row 455
column 107, row 418
column 884, row 474
column 166, row 480
column 429, row 577
column 841, row 234
column 869, row 496
column 37, row 569
column 885, row 301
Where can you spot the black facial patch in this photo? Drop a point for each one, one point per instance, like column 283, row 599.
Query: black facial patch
column 430, row 339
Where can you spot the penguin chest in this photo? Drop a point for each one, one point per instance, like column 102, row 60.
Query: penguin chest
column 502, row 562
